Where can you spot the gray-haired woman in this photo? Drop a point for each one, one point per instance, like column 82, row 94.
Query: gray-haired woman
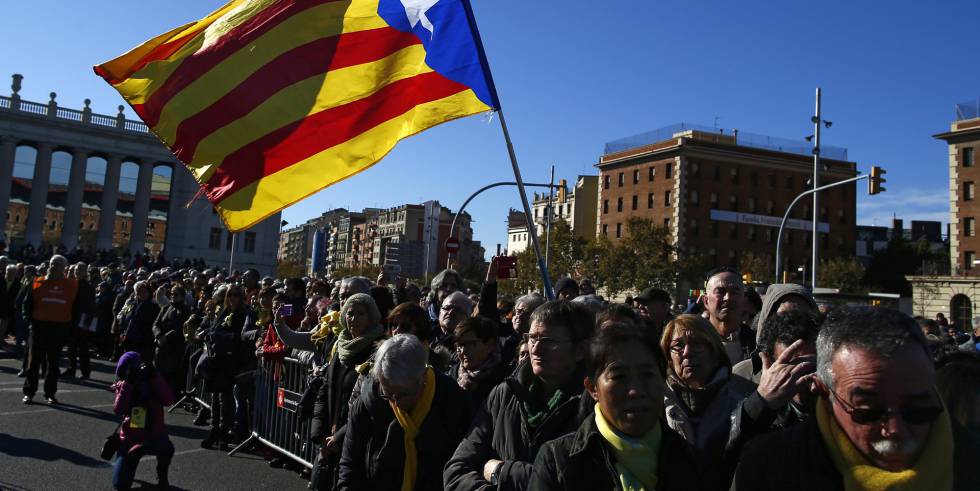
column 406, row 423
column 361, row 322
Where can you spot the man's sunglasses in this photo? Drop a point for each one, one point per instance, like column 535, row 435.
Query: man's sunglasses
column 913, row 415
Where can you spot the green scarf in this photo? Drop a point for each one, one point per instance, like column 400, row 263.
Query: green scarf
column 537, row 412
column 348, row 348
column 636, row 458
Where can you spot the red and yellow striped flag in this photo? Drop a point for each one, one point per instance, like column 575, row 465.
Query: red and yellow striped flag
column 269, row 101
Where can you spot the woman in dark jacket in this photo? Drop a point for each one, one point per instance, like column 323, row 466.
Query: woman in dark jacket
column 625, row 444
column 169, row 336
column 362, row 328
column 480, row 365
column 137, row 332
column 403, row 399
column 221, row 364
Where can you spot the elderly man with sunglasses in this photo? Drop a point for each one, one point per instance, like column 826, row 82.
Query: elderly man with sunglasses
column 880, row 424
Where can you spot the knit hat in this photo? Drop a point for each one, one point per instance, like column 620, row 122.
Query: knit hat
column 128, row 358
column 564, row 283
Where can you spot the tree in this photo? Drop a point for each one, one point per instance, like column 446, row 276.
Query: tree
column 846, row 274
column 290, row 269
column 900, row 258
column 565, row 258
column 760, row 266
column 369, row 271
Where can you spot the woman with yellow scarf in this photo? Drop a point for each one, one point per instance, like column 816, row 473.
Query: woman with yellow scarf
column 625, row 445
column 405, row 425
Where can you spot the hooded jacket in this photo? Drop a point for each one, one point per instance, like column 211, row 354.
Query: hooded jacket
column 751, row 368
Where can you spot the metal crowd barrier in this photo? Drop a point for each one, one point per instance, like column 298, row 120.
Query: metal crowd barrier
column 276, row 423
column 198, row 394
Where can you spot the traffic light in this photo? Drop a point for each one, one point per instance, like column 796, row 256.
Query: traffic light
column 876, row 180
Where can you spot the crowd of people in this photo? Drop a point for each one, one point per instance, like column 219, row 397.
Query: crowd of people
column 433, row 387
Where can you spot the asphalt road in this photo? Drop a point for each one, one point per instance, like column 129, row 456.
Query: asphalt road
column 57, row 447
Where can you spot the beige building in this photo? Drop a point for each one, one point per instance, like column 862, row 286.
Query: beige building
column 956, row 294
column 577, row 207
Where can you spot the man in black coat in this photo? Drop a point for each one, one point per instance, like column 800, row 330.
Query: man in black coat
column 878, row 416
column 541, row 402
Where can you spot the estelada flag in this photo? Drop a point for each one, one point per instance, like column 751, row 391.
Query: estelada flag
column 269, row 101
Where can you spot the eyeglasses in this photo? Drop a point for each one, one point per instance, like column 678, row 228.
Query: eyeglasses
column 547, row 343
column 913, row 415
column 695, row 347
column 401, row 396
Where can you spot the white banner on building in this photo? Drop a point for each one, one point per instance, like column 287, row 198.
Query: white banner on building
column 767, row 221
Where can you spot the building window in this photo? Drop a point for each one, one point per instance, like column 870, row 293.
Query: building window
column 666, row 198
column 694, row 198
column 695, row 169
column 653, row 173
column 636, row 176
column 214, row 240
column 670, row 171
column 824, row 242
column 733, row 202
column 716, row 175
column 619, row 204
column 841, row 216
column 605, row 229
column 969, row 227
column 714, row 200
column 789, row 236
column 752, row 232
column 752, row 205
column 735, row 175
column 968, row 191
column 968, row 157
column 249, row 241
column 622, row 179
column 824, row 214
column 230, row 241
column 769, row 208
column 619, row 230
column 714, row 230
column 605, row 181
column 605, row 206
column 636, row 201
column 650, row 200
column 733, row 231
column 667, row 223
column 770, row 235
column 754, row 179
column 693, row 226
column 968, row 258
column 789, row 182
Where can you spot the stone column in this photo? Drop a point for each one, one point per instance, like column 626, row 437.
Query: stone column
column 8, row 151
column 39, row 195
column 141, row 208
column 73, row 200
column 110, row 196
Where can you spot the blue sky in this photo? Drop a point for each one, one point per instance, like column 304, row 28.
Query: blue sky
column 574, row 75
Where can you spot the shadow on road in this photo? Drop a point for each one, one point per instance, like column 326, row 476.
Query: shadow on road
column 147, row 485
column 84, row 411
column 42, row 450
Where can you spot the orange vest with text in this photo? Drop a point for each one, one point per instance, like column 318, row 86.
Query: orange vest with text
column 54, row 299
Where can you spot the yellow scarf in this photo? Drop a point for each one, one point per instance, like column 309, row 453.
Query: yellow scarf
column 933, row 471
column 636, row 458
column 410, row 425
column 329, row 324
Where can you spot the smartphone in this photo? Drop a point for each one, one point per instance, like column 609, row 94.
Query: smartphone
column 286, row 310
column 507, row 267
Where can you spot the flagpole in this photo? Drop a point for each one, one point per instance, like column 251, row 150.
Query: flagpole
column 231, row 257
column 548, row 292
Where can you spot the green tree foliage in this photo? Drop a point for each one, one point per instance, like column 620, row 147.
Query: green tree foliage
column 889, row 266
column 290, row 269
column 369, row 271
column 846, row 274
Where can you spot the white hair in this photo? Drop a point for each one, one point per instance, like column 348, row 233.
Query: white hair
column 464, row 301
column 400, row 361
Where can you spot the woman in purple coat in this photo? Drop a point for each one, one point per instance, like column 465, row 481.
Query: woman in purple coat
column 141, row 395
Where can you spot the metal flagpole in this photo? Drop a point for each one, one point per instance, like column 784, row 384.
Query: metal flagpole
column 231, row 257
column 548, row 291
column 551, row 210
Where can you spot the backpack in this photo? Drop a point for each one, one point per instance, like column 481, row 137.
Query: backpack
column 222, row 346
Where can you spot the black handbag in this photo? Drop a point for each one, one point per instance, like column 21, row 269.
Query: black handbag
column 111, row 445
